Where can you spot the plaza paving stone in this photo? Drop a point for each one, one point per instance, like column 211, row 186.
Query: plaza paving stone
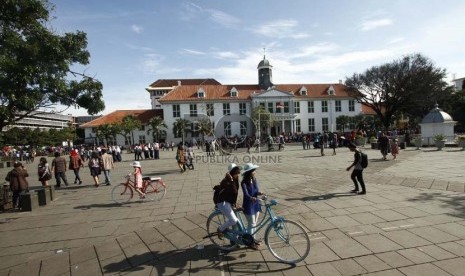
column 411, row 221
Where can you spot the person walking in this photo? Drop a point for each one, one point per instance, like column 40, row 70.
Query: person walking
column 95, row 167
column 43, row 170
column 394, row 148
column 59, row 169
column 334, row 142
column 107, row 161
column 156, row 150
column 250, row 202
column 180, row 158
column 357, row 172
column 383, row 142
column 18, row 183
column 75, row 164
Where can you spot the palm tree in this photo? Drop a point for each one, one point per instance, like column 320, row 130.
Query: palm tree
column 181, row 127
column 156, row 124
column 128, row 125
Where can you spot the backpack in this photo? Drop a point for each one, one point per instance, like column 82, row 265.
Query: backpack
column 364, row 161
column 217, row 190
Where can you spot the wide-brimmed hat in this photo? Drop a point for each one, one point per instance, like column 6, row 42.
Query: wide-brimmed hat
column 249, row 167
column 232, row 166
column 135, row 164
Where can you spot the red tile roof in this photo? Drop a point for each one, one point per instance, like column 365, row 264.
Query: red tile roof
column 367, row 110
column 174, row 82
column 144, row 115
column 222, row 92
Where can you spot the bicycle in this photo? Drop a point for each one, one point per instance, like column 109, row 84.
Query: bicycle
column 282, row 236
column 153, row 188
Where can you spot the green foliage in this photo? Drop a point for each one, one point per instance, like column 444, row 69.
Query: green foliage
column 157, row 126
column 439, row 137
column 410, row 85
column 35, row 63
column 128, row 125
column 266, row 120
column 37, row 137
column 181, row 127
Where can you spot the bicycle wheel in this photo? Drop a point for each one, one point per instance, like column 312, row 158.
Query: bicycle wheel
column 213, row 222
column 287, row 241
column 155, row 190
column 121, row 193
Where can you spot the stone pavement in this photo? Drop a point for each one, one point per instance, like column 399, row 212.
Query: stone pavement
column 411, row 221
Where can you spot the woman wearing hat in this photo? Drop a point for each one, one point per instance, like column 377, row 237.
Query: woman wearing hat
column 250, row 203
column 227, row 197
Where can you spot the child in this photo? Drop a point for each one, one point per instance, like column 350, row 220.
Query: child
column 394, row 148
column 138, row 177
column 250, row 203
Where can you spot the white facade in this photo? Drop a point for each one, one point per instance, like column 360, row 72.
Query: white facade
column 289, row 120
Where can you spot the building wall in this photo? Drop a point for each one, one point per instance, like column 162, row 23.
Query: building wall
column 218, row 118
column 44, row 121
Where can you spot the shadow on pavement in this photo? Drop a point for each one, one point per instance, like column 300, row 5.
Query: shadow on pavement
column 455, row 202
column 201, row 261
column 101, row 205
column 322, row 197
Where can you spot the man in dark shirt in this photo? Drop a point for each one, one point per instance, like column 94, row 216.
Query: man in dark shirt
column 59, row 169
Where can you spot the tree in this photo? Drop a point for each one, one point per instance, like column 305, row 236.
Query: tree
column 156, row 128
column 35, row 64
column 410, row 85
column 342, row 121
column 181, row 127
column 127, row 126
column 107, row 131
column 262, row 118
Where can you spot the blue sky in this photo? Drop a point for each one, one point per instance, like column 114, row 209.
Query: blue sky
column 133, row 43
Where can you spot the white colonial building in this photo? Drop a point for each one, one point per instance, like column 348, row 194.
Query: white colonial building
column 301, row 108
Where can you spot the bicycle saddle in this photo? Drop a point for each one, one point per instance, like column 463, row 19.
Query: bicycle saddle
column 147, row 178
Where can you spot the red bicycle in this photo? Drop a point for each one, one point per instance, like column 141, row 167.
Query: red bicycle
column 153, row 189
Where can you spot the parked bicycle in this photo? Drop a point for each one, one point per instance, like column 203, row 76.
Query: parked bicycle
column 153, row 188
column 287, row 240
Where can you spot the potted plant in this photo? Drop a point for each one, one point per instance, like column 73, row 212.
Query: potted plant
column 461, row 141
column 440, row 140
column 360, row 140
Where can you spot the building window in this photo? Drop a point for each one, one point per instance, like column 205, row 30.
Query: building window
column 296, row 107
column 141, row 139
column 201, row 93
column 243, row 127
column 262, row 105
column 142, row 128
column 298, row 128
column 324, row 123
column 176, row 110
column 210, row 110
column 226, row 109
column 286, row 107
column 324, row 106
column 242, row 108
column 227, row 128
column 338, row 106
column 195, row 129
column 351, row 105
column 193, row 110
column 311, row 107
column 270, row 107
column 311, row 125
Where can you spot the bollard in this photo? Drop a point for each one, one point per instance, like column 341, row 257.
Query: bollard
column 28, row 202
column 42, row 196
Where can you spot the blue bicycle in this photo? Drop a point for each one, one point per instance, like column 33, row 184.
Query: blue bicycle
column 287, row 240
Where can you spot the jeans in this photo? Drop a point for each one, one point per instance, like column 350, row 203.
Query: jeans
column 231, row 219
column 59, row 176
column 359, row 175
column 76, row 175
column 107, row 176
